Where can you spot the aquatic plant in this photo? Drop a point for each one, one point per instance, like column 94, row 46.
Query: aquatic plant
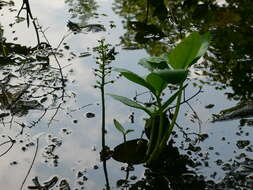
column 121, row 129
column 171, row 68
column 105, row 56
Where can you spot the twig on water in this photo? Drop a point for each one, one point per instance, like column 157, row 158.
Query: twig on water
column 12, row 141
column 34, row 157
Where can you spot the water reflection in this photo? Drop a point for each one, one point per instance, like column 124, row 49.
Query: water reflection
column 230, row 57
column 31, row 87
column 82, row 9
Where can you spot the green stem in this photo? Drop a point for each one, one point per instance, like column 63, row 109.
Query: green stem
column 173, row 122
column 103, row 112
column 162, row 142
column 157, row 143
column 152, row 134
column 161, row 125
column 103, row 107
column 124, row 137
column 4, row 52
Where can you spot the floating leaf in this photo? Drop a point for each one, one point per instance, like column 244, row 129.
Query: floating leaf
column 74, row 26
column 94, row 28
column 129, row 102
column 131, row 152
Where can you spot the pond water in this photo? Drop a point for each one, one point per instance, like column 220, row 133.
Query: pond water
column 51, row 113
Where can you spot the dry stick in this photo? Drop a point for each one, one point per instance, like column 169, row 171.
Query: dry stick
column 38, row 120
column 62, row 78
column 59, row 65
column 78, row 109
column 196, row 115
column 55, row 113
column 34, row 157
column 7, row 150
column 188, row 99
column 29, row 15
column 63, row 38
column 12, row 143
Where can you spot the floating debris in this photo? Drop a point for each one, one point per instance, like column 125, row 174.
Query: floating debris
column 47, row 185
column 85, row 54
column 241, row 144
column 64, row 185
column 209, row 106
column 90, row 115
column 241, row 110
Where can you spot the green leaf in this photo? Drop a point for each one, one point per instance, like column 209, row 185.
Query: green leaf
column 156, row 82
column 188, row 51
column 154, row 62
column 118, row 126
column 171, row 99
column 130, row 103
column 129, row 131
column 206, row 38
column 172, row 76
column 135, row 78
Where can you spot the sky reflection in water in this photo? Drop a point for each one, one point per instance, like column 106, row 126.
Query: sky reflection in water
column 76, row 150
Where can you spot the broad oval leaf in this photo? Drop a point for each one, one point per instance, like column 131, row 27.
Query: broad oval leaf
column 156, row 82
column 118, row 126
column 135, row 78
column 131, row 152
column 155, row 62
column 188, row 51
column 129, row 102
column 172, row 76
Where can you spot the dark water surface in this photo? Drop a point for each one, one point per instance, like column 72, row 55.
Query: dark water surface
column 45, row 98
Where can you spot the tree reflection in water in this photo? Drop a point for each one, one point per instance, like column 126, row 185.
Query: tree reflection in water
column 229, row 63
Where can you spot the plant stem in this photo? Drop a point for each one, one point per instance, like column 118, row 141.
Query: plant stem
column 167, row 135
column 151, row 141
column 34, row 157
column 162, row 142
column 103, row 112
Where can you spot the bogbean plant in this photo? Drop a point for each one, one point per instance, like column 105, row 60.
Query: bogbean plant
column 105, row 56
column 171, row 68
